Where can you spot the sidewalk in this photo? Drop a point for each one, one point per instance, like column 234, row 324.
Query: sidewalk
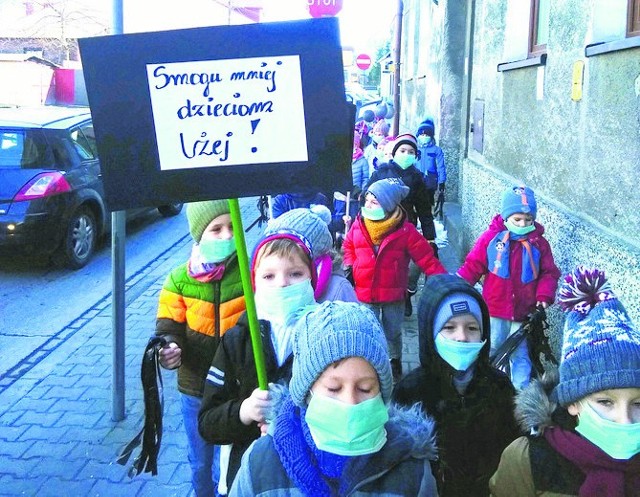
column 57, row 437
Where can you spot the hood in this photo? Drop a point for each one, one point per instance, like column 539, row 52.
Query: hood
column 435, row 290
column 407, row 426
column 535, row 411
column 497, row 225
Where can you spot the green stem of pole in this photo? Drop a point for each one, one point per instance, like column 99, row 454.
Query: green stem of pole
column 245, row 274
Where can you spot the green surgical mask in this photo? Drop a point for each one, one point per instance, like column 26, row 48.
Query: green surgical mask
column 216, row 250
column 405, row 160
column 519, row 230
column 459, row 355
column 279, row 303
column 347, row 429
column 423, row 140
column 620, row 441
column 373, row 214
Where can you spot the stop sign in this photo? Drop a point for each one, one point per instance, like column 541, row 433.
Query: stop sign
column 363, row 61
column 324, row 8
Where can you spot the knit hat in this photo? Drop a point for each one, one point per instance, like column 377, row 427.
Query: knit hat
column 518, row 199
column 381, row 128
column 309, row 224
column 389, row 192
column 456, row 304
column 332, row 331
column 405, row 139
column 601, row 346
column 381, row 110
column 368, row 116
column 200, row 214
column 427, row 126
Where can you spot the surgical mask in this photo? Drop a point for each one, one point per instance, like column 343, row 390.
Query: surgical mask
column 620, row 441
column 216, row 249
column 282, row 302
column 405, row 160
column 459, row 355
column 373, row 213
column 347, row 429
column 519, row 230
column 423, row 140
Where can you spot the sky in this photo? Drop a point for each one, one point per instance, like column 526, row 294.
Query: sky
column 364, row 24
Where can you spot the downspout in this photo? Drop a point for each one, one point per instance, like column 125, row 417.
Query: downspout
column 396, row 72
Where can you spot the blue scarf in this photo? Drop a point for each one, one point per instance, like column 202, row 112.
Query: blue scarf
column 498, row 252
column 308, row 467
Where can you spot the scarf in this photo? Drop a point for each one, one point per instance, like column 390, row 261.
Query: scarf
column 604, row 475
column 498, row 252
column 201, row 270
column 378, row 230
column 308, row 467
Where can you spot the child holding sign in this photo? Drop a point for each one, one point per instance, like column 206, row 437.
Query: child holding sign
column 284, row 277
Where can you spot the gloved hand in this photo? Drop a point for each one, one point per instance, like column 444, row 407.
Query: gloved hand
column 441, row 187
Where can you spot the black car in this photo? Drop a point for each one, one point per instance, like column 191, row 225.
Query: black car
column 51, row 192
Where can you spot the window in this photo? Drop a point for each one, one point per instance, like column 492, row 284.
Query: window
column 539, row 26
column 633, row 25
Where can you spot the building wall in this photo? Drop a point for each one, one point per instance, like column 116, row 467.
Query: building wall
column 582, row 158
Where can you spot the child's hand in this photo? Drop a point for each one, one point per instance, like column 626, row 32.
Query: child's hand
column 544, row 305
column 253, row 408
column 264, row 428
column 171, row 356
column 347, row 221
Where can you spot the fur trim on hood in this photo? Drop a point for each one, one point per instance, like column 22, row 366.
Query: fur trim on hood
column 534, row 409
column 411, row 424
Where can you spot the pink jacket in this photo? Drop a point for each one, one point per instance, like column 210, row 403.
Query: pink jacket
column 383, row 277
column 510, row 298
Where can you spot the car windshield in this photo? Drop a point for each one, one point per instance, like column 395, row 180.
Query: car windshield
column 22, row 148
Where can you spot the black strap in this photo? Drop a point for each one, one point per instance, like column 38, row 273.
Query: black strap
column 151, row 433
column 439, row 208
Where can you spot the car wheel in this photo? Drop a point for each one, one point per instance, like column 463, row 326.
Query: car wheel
column 79, row 242
column 170, row 210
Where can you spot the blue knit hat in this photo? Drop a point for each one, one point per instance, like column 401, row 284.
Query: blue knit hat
column 427, row 126
column 333, row 331
column 601, row 346
column 518, row 199
column 389, row 192
column 456, row 304
column 311, row 224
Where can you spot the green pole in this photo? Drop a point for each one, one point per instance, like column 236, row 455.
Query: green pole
column 243, row 262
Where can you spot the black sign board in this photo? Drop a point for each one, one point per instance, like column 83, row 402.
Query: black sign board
column 219, row 112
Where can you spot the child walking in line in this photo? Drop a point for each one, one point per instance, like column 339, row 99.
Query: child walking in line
column 519, row 270
column 470, row 401
column 284, row 278
column 334, row 434
column 584, row 426
column 377, row 251
column 199, row 301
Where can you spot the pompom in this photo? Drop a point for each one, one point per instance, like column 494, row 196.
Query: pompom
column 322, row 212
column 583, row 288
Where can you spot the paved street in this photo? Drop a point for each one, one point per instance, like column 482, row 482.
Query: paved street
column 57, row 436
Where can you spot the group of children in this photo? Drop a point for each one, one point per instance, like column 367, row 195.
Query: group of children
column 332, row 421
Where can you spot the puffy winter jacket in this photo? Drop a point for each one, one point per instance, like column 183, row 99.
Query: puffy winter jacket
column 195, row 315
column 510, row 298
column 383, row 276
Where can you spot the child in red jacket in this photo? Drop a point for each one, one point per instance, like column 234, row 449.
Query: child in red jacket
column 519, row 271
column 377, row 251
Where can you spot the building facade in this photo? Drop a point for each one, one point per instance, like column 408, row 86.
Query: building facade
column 541, row 92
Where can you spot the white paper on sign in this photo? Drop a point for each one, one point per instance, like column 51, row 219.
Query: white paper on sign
column 215, row 113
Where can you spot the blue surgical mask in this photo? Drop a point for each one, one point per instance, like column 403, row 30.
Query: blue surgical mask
column 282, row 302
column 373, row 213
column 216, row 249
column 459, row 355
column 404, row 160
column 347, row 429
column 519, row 230
column 620, row 441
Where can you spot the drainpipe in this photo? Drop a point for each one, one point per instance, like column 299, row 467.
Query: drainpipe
column 396, row 71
